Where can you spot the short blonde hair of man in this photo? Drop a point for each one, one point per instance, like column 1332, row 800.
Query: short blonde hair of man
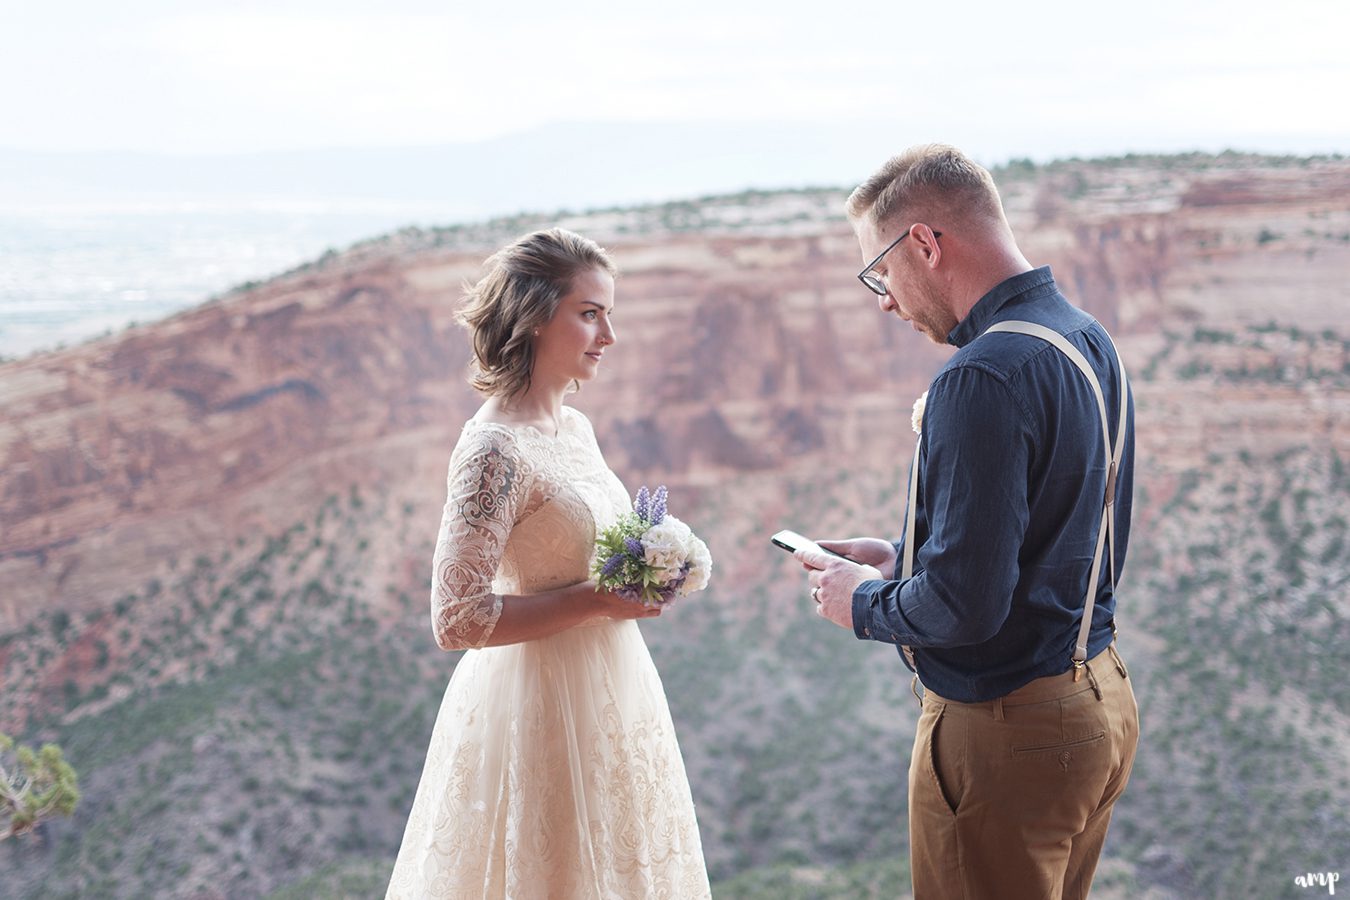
column 927, row 181
column 525, row 282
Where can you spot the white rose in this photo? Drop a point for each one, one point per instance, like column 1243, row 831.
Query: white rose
column 663, row 546
column 916, row 417
column 700, row 566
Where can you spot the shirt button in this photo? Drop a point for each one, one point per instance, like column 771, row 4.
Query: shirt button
column 867, row 632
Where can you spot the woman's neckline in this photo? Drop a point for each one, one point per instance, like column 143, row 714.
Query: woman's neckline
column 563, row 418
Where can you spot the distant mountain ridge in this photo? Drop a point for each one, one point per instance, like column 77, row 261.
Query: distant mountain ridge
column 564, row 165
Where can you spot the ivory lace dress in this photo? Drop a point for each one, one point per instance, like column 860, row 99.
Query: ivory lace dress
column 553, row 770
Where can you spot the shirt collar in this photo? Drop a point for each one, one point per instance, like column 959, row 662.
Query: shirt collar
column 981, row 315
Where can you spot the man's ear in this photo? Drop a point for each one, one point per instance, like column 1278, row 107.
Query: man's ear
column 926, row 239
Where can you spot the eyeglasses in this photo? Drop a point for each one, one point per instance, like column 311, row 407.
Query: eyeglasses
column 873, row 282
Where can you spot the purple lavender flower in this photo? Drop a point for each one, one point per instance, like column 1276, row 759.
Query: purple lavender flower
column 640, row 505
column 668, row 591
column 658, row 509
column 612, row 565
column 677, row 582
column 634, row 548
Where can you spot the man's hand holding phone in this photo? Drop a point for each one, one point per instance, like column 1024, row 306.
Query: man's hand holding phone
column 832, row 576
column 872, row 552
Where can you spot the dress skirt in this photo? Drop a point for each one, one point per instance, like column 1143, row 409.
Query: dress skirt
column 554, row 772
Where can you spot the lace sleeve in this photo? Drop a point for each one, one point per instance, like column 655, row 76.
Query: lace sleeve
column 485, row 488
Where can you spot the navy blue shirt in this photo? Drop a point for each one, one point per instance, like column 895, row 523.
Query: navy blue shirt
column 1012, row 474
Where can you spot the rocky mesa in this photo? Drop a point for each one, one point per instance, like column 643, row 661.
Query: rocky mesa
column 215, row 530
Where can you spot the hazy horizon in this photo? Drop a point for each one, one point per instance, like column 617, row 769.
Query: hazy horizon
column 559, row 165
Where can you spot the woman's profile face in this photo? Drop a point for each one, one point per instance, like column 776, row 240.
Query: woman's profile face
column 570, row 346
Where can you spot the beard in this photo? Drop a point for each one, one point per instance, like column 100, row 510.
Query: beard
column 931, row 315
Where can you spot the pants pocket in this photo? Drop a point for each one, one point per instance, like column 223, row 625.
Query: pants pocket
column 1061, row 746
column 944, row 761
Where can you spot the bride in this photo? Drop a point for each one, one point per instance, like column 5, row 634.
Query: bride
column 553, row 770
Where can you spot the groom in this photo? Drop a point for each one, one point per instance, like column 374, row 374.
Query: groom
column 1019, row 505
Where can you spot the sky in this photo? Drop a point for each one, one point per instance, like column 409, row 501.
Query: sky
column 1039, row 78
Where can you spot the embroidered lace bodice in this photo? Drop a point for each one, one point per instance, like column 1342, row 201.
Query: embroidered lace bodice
column 521, row 514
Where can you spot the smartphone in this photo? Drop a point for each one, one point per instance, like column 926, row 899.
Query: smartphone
column 791, row 541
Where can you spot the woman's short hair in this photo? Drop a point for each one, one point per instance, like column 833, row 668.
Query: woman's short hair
column 519, row 294
column 927, row 180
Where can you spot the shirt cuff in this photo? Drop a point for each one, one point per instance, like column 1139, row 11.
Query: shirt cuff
column 864, row 599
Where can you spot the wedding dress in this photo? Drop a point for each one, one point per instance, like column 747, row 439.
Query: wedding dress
column 553, row 770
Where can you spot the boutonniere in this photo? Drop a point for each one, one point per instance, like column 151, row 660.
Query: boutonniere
column 916, row 417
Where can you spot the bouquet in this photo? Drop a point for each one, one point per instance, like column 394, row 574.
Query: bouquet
column 649, row 556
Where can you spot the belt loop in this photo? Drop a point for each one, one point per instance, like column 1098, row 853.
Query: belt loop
column 1092, row 679
column 1120, row 663
column 998, row 709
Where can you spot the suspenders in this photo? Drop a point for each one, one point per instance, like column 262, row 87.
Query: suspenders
column 1106, row 532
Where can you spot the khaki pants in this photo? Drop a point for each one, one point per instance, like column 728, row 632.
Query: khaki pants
column 1011, row 798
